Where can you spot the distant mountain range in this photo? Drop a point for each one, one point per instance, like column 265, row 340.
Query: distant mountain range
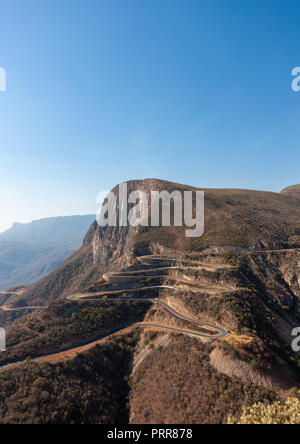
column 30, row 251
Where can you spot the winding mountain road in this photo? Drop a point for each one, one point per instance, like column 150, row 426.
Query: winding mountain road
column 29, row 307
column 206, row 330
column 217, row 333
column 118, row 277
column 212, row 331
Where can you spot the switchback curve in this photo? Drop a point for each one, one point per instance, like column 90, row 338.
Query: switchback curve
column 213, row 331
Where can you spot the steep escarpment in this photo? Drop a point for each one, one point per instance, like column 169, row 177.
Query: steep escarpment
column 235, row 220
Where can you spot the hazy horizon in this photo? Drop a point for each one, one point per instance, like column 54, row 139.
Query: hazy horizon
column 43, row 218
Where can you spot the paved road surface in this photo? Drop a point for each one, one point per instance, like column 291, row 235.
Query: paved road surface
column 213, row 331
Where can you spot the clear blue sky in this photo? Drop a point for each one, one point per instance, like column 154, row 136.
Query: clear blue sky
column 102, row 91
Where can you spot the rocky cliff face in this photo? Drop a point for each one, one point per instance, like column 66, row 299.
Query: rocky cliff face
column 119, row 244
column 235, row 220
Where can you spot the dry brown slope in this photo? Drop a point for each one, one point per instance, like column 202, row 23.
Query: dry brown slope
column 240, row 219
